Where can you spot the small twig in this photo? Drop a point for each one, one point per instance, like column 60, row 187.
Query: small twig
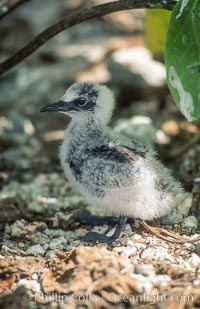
column 12, row 8
column 76, row 18
column 171, row 237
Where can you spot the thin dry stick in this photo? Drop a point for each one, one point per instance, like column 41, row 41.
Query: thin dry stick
column 78, row 17
column 171, row 237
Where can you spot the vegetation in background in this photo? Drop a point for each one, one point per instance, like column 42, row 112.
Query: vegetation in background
column 182, row 57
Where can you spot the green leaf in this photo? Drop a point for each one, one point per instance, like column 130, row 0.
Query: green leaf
column 156, row 22
column 182, row 57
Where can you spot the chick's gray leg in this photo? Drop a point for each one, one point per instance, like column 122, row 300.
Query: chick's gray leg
column 91, row 236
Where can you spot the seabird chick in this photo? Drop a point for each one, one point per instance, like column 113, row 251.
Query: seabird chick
column 111, row 172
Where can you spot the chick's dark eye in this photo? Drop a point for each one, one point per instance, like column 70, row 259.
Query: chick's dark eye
column 81, row 102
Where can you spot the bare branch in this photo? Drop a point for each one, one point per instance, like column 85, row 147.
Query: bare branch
column 12, row 8
column 78, row 17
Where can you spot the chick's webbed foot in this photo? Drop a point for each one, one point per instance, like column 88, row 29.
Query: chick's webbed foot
column 93, row 236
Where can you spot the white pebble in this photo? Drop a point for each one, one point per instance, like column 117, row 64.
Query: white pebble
column 145, row 269
column 36, row 249
column 196, row 282
column 191, row 221
column 30, row 285
column 125, row 251
column 194, row 260
column 35, row 276
column 56, row 242
column 156, row 254
column 185, row 206
column 137, row 236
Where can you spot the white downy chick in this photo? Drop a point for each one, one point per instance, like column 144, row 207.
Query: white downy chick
column 111, row 172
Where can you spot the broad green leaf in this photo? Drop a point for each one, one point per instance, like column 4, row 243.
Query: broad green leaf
column 156, row 22
column 182, row 57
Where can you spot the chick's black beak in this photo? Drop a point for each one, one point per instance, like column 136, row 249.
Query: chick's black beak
column 59, row 106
